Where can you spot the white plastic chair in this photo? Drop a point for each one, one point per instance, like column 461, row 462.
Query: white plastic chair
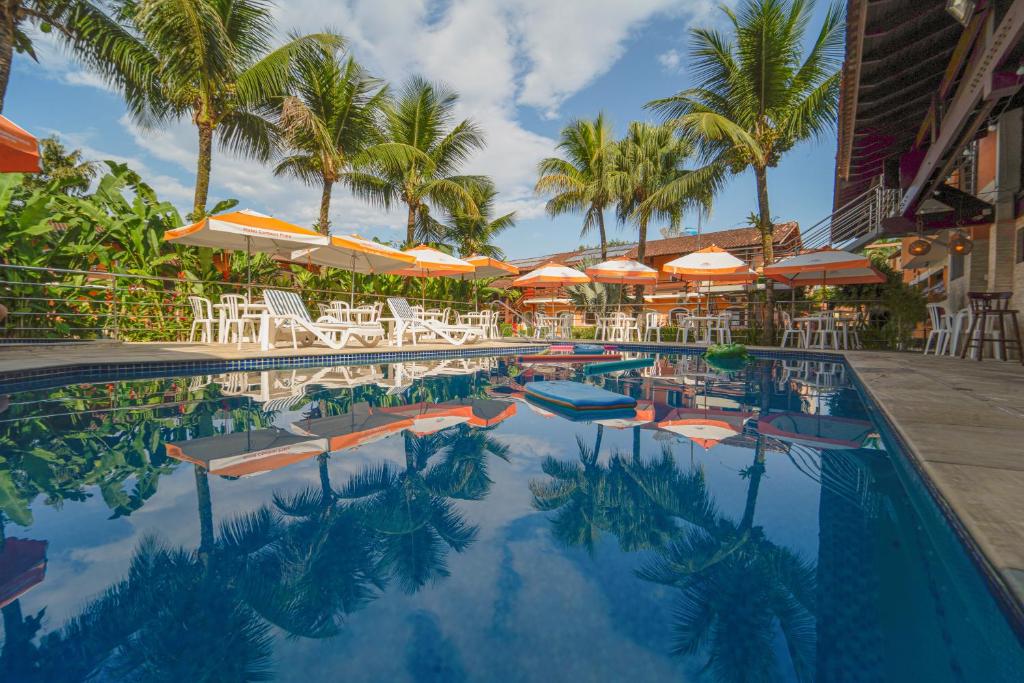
column 722, row 329
column 791, row 331
column 959, row 326
column 235, row 319
column 202, row 319
column 941, row 329
column 652, row 324
column 677, row 317
column 825, row 333
column 565, row 321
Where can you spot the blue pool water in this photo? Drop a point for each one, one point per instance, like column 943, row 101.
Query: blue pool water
column 425, row 521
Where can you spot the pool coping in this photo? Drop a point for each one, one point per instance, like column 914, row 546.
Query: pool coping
column 1007, row 593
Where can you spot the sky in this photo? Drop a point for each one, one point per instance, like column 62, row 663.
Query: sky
column 523, row 68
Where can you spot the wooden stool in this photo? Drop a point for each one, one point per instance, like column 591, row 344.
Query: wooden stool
column 986, row 305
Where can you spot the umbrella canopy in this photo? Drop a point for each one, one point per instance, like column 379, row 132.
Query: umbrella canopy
column 360, row 426
column 711, row 264
column 356, row 254
column 818, row 431
column 430, row 262
column 429, row 418
column 551, row 275
column 245, row 454
column 623, row 271
column 643, row 414
column 826, row 266
column 246, row 230
column 487, row 267
column 704, row 427
column 19, row 150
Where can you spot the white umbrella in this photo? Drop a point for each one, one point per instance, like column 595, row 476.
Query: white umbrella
column 356, row 255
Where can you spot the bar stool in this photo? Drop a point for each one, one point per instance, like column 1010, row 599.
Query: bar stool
column 994, row 306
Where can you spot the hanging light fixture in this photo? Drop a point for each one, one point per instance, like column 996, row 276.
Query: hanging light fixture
column 920, row 246
column 960, row 244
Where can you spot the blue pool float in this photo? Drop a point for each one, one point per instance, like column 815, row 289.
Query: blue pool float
column 615, row 365
column 577, row 396
column 587, row 349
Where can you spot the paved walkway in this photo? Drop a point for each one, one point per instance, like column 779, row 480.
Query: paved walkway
column 964, row 422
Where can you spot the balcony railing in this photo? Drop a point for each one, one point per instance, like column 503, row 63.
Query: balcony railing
column 856, row 223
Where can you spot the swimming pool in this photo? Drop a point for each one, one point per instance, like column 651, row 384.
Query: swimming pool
column 429, row 521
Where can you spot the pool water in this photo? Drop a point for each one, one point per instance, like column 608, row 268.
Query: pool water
column 426, row 521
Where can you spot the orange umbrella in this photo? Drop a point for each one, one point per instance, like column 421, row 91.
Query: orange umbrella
column 433, row 263
column 551, row 275
column 488, row 267
column 623, row 271
column 711, row 264
column 19, row 150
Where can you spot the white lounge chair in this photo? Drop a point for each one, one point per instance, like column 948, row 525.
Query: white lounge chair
column 408, row 323
column 286, row 310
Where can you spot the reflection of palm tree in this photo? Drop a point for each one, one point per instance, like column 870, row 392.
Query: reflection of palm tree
column 736, row 586
column 410, row 511
column 639, row 502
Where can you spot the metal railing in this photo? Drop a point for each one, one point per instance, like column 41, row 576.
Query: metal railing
column 856, row 222
column 63, row 304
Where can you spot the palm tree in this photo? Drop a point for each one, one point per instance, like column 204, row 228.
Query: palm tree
column 214, row 64
column 422, row 119
column 472, row 233
column 92, row 35
column 331, row 117
column 757, row 94
column 650, row 159
column 582, row 181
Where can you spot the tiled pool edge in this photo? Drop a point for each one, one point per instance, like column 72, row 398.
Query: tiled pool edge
column 1010, row 601
column 59, row 375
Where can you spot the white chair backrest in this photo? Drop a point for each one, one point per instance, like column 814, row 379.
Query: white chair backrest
column 202, row 309
column 280, row 302
column 677, row 315
column 937, row 314
column 234, row 304
column 401, row 310
column 651, row 319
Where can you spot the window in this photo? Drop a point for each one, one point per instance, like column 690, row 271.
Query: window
column 956, row 266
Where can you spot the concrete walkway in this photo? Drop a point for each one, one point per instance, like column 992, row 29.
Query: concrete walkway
column 964, row 424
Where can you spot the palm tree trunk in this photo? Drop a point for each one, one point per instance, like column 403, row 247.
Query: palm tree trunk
column 601, row 232
column 8, row 21
column 766, row 228
column 324, row 223
column 410, row 228
column 205, row 506
column 597, row 441
column 203, row 170
column 641, row 251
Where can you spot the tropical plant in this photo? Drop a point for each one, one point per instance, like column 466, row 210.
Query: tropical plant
column 472, row 233
column 65, row 169
column 422, row 119
column 582, row 181
column 214, row 64
column 652, row 159
column 757, row 95
column 87, row 29
column 331, row 117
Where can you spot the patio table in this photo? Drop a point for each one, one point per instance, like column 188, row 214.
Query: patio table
column 247, row 310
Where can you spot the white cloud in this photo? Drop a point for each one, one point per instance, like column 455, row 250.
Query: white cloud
column 671, row 60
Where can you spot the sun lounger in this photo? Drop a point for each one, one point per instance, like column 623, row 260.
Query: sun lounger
column 286, row 310
column 408, row 323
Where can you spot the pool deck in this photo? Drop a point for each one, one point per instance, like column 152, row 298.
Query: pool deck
column 963, row 422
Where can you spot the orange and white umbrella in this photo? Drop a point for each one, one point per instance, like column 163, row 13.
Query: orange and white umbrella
column 643, row 414
column 623, row 271
column 486, row 267
column 19, row 150
column 706, row 428
column 361, row 426
column 711, row 264
column 551, row 275
column 430, row 262
column 246, row 230
column 356, row 254
column 826, row 266
column 245, row 454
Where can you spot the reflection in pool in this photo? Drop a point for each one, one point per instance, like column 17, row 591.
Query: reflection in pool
column 427, row 521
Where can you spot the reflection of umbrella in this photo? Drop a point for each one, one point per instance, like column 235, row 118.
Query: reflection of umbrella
column 19, row 150
column 22, row 566
column 360, row 426
column 246, row 231
column 711, row 264
column 817, row 431
column 704, row 427
column 644, row 414
column 429, row 418
column 246, row 453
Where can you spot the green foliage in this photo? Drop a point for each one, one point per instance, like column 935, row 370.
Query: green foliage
column 62, row 170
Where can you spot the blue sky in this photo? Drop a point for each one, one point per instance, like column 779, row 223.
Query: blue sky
column 523, row 68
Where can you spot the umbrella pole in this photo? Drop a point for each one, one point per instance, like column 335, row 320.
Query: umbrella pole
column 352, row 285
column 248, row 267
